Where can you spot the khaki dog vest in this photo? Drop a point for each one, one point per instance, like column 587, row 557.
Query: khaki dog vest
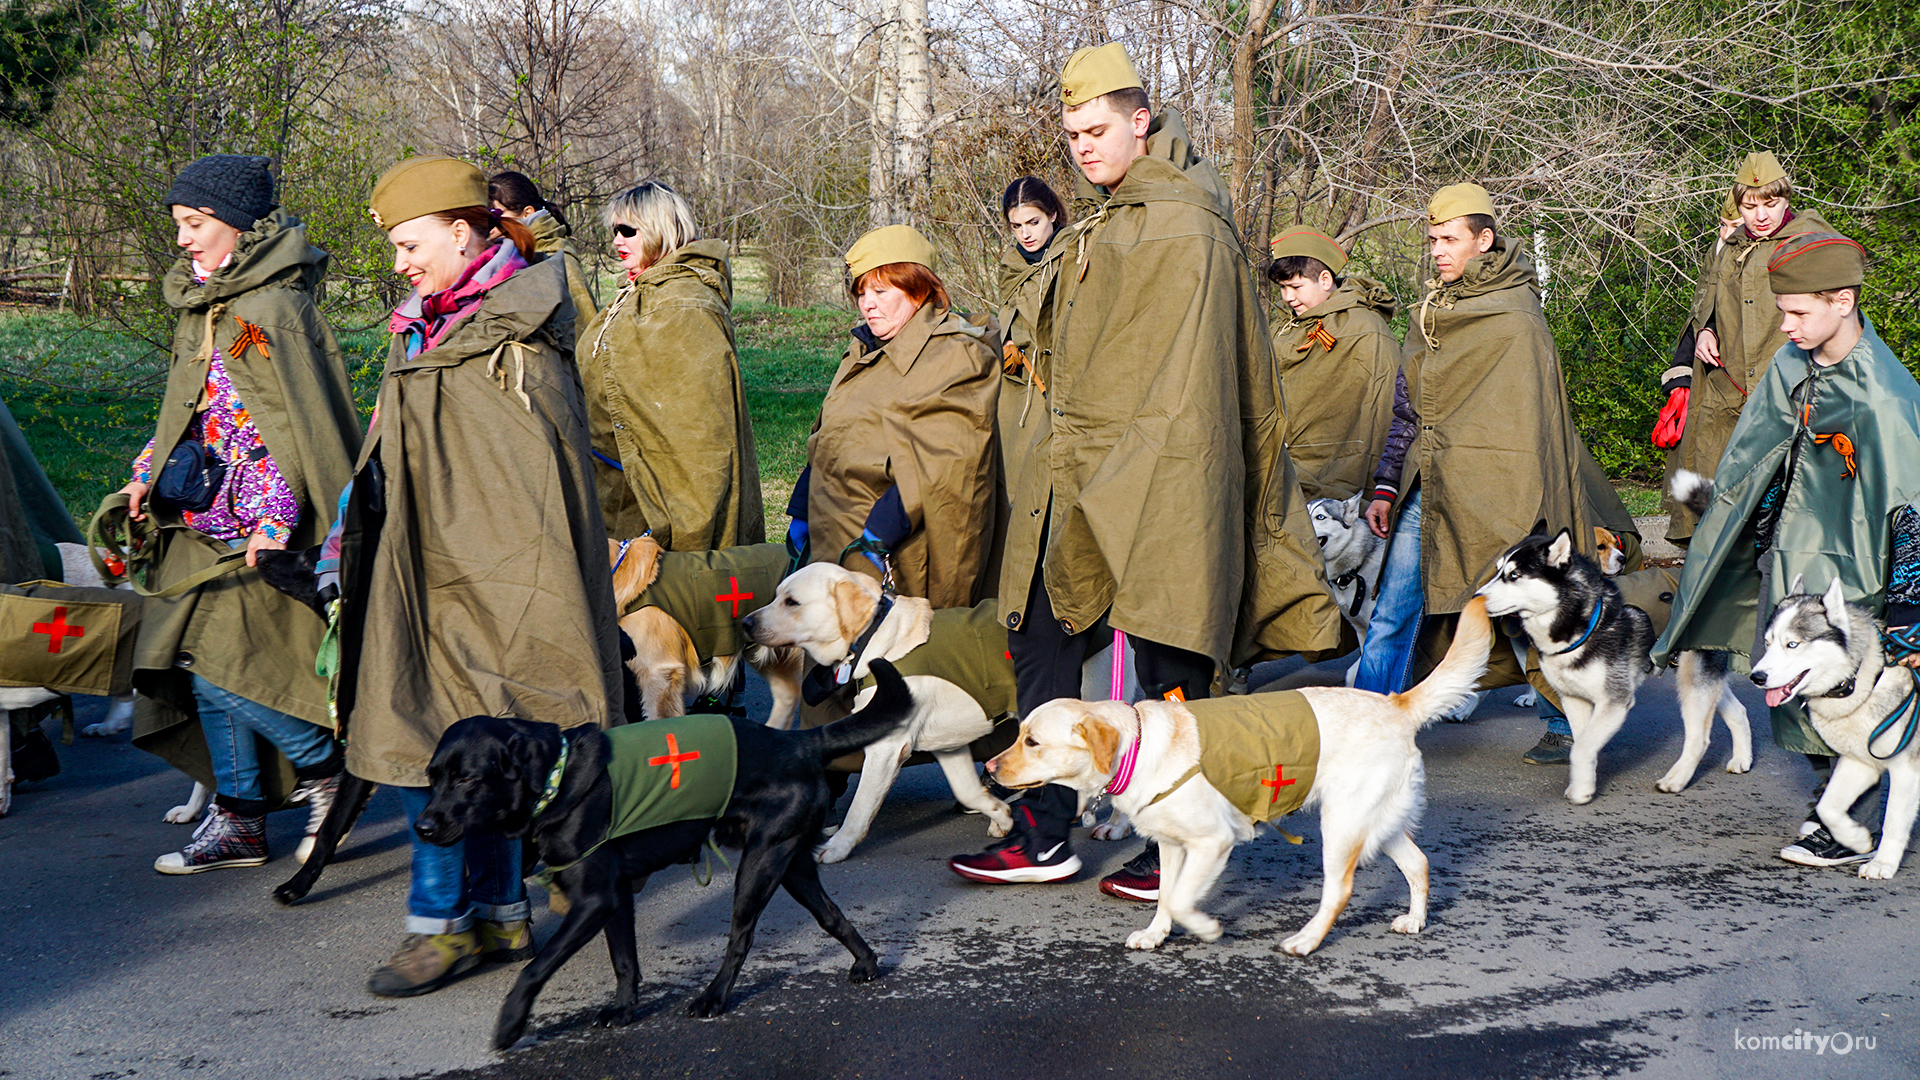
column 663, row 771
column 708, row 592
column 1259, row 750
column 968, row 648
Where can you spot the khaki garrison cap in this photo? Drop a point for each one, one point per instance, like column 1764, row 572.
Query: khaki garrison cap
column 426, row 185
column 888, row 244
column 1312, row 243
column 1729, row 210
column 1458, row 200
column 1759, row 169
column 1096, row 70
column 1816, row 262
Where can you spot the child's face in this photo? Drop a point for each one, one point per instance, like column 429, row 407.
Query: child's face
column 1810, row 320
column 1303, row 294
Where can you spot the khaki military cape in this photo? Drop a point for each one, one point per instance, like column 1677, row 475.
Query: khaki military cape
column 238, row 632
column 1338, row 397
column 1026, row 316
column 474, row 562
column 1733, row 295
column 1168, row 500
column 552, row 238
column 666, row 404
column 1496, row 449
column 32, row 517
column 1261, row 751
column 918, row 412
column 1830, row 526
column 709, row 592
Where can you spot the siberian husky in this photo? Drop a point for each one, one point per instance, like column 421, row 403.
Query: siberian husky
column 1826, row 652
column 1594, row 650
column 1352, row 555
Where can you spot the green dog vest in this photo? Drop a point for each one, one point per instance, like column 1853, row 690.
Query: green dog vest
column 968, row 648
column 1259, row 750
column 663, row 771
column 707, row 593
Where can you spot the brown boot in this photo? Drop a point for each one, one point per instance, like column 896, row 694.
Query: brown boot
column 425, row 963
column 504, row 942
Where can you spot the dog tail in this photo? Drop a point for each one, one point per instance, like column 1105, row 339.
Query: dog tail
column 1453, row 682
column 1693, row 491
column 885, row 711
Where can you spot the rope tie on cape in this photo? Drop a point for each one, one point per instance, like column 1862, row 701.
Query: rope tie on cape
column 495, row 369
column 1083, row 231
column 1446, row 294
column 612, row 310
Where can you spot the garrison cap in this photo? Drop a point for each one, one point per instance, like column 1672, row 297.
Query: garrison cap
column 888, row 244
column 1312, row 243
column 1759, row 169
column 1096, row 70
column 426, row 185
column 1458, row 200
column 1729, row 210
column 1816, row 262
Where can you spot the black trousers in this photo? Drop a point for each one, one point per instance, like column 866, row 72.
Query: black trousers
column 1046, row 665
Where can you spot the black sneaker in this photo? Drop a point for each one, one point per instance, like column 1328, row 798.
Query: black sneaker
column 1138, row 880
column 1819, row 848
column 1552, row 749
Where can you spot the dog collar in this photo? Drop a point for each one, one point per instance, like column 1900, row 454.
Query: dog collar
column 1582, row 639
column 1359, row 590
column 843, row 671
column 1845, row 689
column 1123, row 769
column 552, row 789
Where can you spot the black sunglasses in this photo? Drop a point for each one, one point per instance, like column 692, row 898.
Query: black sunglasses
column 625, row 232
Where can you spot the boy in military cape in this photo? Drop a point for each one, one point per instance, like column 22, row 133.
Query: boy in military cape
column 1169, row 508
column 1820, row 479
column 1337, row 358
column 1732, row 323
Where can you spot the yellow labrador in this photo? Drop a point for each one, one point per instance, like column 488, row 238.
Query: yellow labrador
column 1368, row 780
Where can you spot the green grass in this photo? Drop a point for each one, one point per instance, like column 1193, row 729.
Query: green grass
column 1642, row 500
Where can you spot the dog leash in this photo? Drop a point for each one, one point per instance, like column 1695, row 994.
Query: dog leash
column 1910, row 708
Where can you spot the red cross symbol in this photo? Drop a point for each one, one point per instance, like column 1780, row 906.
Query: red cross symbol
column 1276, row 783
column 674, row 757
column 58, row 629
column 735, row 596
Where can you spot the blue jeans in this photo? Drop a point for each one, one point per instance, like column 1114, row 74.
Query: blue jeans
column 1386, row 655
column 231, row 722
column 477, row 878
column 1556, row 720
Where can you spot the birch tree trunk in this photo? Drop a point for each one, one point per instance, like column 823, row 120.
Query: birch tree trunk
column 913, row 115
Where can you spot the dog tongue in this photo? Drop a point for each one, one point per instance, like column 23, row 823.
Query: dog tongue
column 1777, row 695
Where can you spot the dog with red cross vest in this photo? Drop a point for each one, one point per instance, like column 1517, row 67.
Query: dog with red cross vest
column 1198, row 776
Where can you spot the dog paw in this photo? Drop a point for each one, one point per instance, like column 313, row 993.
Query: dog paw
column 103, row 731
column 1672, row 784
column 832, row 853
column 1300, row 944
column 1579, row 797
column 1740, row 764
column 707, row 1006
column 1880, row 869
column 1526, row 699
column 1150, row 938
column 1409, row 924
column 179, row 815
column 508, row 1033
column 1204, row 927
column 613, row 1016
column 1110, row 830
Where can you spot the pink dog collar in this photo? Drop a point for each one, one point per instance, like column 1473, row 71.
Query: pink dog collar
column 1123, row 772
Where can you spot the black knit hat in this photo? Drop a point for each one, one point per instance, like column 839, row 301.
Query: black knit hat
column 238, row 188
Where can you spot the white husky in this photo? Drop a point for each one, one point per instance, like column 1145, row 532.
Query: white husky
column 1826, row 652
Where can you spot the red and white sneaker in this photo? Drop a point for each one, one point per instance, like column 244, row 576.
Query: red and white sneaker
column 1009, row 861
column 1138, row 880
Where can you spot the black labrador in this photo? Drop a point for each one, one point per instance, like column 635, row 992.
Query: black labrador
column 292, row 572
column 492, row 773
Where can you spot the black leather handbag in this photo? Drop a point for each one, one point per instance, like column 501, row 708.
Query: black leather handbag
column 191, row 478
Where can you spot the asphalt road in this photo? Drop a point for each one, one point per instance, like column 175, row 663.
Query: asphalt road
column 1643, row 934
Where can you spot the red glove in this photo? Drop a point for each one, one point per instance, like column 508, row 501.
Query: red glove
column 1673, row 420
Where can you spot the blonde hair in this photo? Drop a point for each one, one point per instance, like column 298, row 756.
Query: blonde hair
column 658, row 215
column 1773, row 189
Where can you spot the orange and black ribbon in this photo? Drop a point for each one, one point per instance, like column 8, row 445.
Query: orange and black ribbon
column 1845, row 446
column 1318, row 336
column 250, row 337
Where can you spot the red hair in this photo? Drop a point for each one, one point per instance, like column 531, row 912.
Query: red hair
column 920, row 283
column 481, row 220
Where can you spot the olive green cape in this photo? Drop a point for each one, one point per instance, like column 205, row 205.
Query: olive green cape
column 1496, row 449
column 1734, row 295
column 917, row 412
column 1173, row 504
column 552, row 238
column 1339, row 397
column 665, row 401
column 474, row 566
column 238, row 632
column 32, row 517
column 1831, row 525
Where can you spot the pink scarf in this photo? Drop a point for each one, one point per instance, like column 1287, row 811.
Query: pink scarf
column 426, row 321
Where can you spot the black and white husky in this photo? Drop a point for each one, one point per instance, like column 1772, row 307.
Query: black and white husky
column 1827, row 653
column 1594, row 650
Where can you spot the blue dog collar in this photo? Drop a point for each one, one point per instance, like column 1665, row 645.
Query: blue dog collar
column 1582, row 639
